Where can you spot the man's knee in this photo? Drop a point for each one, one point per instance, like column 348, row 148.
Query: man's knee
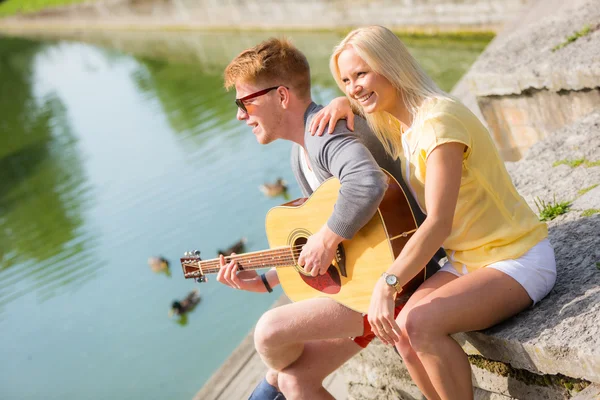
column 267, row 332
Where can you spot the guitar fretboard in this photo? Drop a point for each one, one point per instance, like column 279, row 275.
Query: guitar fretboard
column 279, row 257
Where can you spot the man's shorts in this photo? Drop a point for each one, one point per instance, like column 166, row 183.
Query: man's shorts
column 368, row 335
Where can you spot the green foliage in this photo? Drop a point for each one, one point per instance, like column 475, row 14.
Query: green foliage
column 585, row 190
column 577, row 162
column 590, row 211
column 573, row 385
column 549, row 211
column 589, row 164
column 598, row 265
column 13, row 7
column 574, row 36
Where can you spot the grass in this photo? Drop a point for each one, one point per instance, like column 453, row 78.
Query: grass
column 598, row 265
column 586, row 30
column 590, row 211
column 14, row 7
column 573, row 385
column 577, row 162
column 549, row 211
column 585, row 190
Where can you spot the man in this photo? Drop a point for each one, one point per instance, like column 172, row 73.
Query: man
column 304, row 342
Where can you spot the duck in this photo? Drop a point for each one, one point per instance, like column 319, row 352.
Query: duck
column 274, row 189
column 237, row 247
column 158, row 263
column 182, row 307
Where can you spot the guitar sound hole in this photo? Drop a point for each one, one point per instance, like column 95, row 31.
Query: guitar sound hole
column 329, row 283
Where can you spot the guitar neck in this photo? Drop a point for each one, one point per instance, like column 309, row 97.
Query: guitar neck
column 279, row 257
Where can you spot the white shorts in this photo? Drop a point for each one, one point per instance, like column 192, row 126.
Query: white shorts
column 535, row 270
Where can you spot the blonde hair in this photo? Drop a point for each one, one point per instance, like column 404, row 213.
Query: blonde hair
column 274, row 62
column 386, row 55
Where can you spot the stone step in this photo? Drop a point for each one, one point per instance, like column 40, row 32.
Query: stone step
column 368, row 380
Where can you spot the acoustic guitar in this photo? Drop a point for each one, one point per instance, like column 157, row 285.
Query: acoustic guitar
column 358, row 262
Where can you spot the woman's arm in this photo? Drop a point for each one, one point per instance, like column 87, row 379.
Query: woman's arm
column 339, row 108
column 444, row 170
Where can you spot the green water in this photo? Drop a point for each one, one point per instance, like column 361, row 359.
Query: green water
column 114, row 148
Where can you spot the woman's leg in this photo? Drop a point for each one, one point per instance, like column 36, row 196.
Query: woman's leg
column 472, row 302
column 411, row 360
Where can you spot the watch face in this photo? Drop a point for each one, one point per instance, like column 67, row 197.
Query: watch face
column 391, row 280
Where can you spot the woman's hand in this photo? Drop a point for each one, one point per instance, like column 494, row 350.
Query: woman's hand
column 381, row 313
column 230, row 275
column 339, row 108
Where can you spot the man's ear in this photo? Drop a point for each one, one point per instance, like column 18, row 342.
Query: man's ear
column 284, row 96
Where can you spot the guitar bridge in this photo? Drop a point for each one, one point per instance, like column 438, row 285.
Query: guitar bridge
column 340, row 259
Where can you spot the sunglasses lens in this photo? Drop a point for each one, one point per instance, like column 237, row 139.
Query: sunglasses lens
column 241, row 105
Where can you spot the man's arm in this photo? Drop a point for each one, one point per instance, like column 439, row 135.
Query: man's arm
column 363, row 183
column 363, row 186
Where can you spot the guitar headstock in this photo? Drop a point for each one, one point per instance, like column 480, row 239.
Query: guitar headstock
column 191, row 267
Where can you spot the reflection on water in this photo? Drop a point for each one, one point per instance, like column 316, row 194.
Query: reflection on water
column 42, row 186
column 115, row 150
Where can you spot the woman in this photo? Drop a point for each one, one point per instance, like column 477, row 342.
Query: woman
column 500, row 260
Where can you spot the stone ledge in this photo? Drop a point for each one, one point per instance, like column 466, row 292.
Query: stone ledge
column 521, row 57
column 592, row 392
column 366, row 381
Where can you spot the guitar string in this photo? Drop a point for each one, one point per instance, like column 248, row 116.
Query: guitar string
column 263, row 253
column 249, row 261
column 273, row 259
column 215, row 270
column 265, row 256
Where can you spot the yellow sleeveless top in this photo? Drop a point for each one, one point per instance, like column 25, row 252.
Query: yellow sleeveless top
column 492, row 221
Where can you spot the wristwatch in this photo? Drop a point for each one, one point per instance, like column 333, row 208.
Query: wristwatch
column 392, row 281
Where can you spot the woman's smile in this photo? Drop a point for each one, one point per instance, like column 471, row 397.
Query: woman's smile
column 365, row 98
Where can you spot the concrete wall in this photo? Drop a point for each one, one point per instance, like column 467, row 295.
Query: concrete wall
column 526, row 86
column 294, row 14
column 518, row 121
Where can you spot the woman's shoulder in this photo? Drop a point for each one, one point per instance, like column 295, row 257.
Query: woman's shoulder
column 445, row 107
column 452, row 113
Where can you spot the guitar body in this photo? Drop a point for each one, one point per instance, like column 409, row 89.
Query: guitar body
column 360, row 262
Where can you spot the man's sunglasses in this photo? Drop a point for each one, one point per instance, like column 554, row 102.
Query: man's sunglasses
column 240, row 102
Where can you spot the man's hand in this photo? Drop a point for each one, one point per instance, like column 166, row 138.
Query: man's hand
column 319, row 251
column 230, row 276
